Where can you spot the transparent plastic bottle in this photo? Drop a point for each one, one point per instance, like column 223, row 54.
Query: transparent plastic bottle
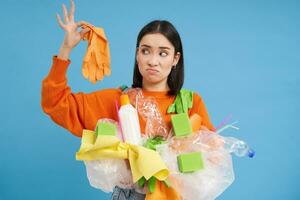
column 238, row 147
column 129, row 121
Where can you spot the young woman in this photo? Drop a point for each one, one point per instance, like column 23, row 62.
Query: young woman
column 158, row 71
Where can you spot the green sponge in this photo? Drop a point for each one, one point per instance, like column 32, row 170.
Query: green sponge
column 106, row 128
column 181, row 124
column 190, row 162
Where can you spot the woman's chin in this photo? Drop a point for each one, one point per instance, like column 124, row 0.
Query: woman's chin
column 153, row 80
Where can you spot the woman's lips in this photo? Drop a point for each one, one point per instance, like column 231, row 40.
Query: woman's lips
column 152, row 71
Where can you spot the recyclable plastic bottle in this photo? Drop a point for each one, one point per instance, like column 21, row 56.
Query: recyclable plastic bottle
column 238, row 147
column 129, row 121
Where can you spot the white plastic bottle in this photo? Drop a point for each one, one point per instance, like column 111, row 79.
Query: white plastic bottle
column 129, row 121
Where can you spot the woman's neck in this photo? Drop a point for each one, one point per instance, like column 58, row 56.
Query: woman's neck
column 156, row 87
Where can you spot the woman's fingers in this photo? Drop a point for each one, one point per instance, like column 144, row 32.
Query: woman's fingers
column 81, row 23
column 84, row 31
column 66, row 18
column 61, row 24
column 72, row 11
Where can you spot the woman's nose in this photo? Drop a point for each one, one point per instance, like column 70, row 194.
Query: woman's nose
column 153, row 60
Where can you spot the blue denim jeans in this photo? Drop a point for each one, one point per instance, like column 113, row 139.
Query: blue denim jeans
column 126, row 194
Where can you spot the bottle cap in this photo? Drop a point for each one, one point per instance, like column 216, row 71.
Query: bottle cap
column 251, row 153
column 124, row 99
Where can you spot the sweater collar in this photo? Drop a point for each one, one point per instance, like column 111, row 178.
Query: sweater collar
column 157, row 94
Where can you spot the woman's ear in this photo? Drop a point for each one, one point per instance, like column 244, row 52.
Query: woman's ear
column 176, row 58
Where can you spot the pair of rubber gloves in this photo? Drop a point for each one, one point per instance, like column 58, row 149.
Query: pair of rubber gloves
column 96, row 62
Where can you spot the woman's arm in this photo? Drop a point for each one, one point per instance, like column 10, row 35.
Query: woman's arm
column 79, row 111
column 64, row 53
column 64, row 107
column 57, row 100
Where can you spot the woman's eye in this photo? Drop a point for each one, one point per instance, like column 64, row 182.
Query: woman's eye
column 145, row 51
column 163, row 54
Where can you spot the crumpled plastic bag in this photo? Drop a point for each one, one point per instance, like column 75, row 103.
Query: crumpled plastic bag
column 147, row 108
column 204, row 184
column 107, row 173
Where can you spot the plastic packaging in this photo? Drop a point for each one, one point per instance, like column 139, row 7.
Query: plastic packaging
column 148, row 109
column 129, row 121
column 205, row 184
column 238, row 147
column 107, row 173
column 208, row 183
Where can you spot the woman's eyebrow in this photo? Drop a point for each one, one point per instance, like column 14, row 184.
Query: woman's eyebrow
column 145, row 45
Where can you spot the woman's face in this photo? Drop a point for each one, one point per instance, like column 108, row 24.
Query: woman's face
column 155, row 58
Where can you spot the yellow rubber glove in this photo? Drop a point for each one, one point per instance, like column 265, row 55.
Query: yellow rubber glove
column 96, row 62
column 143, row 162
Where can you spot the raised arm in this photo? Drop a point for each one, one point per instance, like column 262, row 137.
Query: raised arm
column 73, row 111
column 65, row 108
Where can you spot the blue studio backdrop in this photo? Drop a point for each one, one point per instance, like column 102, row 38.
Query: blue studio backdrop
column 243, row 57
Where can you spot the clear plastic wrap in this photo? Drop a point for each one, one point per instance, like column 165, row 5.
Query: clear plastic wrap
column 148, row 109
column 107, row 173
column 207, row 183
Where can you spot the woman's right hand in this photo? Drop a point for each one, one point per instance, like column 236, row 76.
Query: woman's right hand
column 72, row 36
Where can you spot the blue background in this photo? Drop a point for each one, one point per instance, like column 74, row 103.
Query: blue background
column 243, row 57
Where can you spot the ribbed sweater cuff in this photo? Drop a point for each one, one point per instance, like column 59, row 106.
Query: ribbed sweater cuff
column 59, row 69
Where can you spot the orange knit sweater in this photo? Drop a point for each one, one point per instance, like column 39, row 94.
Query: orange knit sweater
column 79, row 111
